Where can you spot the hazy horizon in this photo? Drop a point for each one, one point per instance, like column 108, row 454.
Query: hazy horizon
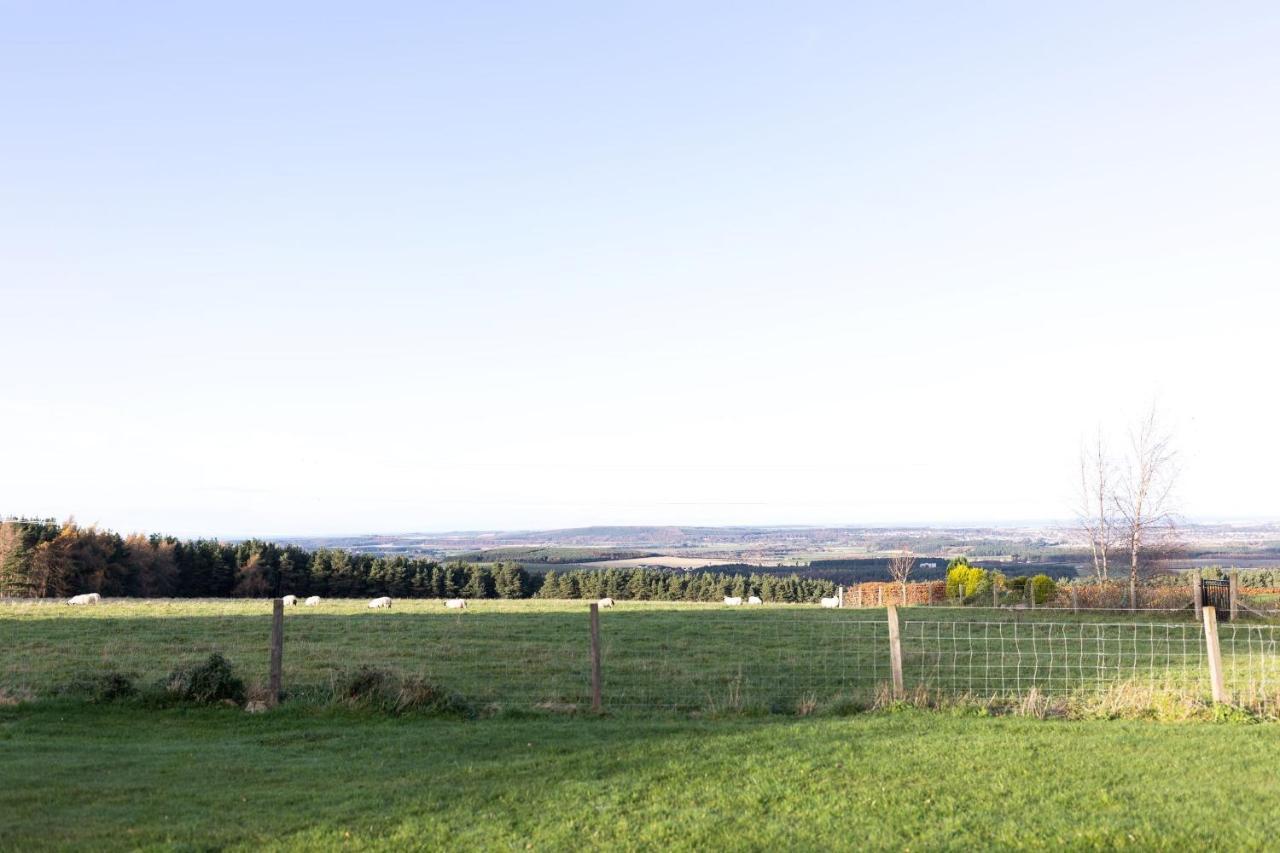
column 288, row 270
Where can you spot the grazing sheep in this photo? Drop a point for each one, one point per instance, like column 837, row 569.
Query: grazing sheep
column 831, row 602
column 384, row 601
column 456, row 604
column 733, row 600
column 755, row 599
column 85, row 598
column 312, row 601
column 605, row 602
column 289, row 600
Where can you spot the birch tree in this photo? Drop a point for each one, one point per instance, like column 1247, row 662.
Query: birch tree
column 1095, row 511
column 1144, row 496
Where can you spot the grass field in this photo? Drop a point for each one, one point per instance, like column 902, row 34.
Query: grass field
column 657, row 655
column 725, row 772
column 98, row 777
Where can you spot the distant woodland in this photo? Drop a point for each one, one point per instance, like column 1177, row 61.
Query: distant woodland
column 46, row 559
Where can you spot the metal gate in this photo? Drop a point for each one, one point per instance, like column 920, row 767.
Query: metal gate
column 1217, row 594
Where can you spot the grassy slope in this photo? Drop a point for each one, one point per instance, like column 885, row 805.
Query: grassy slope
column 105, row 777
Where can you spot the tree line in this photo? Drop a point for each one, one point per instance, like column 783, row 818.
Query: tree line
column 650, row 584
column 42, row 558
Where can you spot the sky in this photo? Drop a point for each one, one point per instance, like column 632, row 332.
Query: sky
column 383, row 267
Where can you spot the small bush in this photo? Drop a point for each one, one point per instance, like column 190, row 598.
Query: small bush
column 1043, row 588
column 101, row 687
column 961, row 575
column 391, row 693
column 206, row 683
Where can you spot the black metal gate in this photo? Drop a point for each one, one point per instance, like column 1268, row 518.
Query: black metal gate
column 1217, row 594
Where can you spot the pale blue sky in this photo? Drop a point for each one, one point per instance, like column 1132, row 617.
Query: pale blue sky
column 271, row 268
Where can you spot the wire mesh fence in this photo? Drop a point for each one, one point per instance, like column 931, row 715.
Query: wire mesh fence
column 1007, row 659
column 747, row 658
column 654, row 656
column 1251, row 664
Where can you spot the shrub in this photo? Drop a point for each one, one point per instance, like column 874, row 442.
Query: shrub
column 1043, row 588
column 102, row 687
column 389, row 692
column 206, row 683
column 972, row 578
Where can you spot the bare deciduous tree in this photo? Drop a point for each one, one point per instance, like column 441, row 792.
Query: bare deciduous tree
column 900, row 566
column 1095, row 513
column 1144, row 497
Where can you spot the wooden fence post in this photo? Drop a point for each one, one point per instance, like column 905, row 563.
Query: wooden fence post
column 995, row 593
column 840, row 595
column 1234, row 589
column 1197, row 592
column 880, row 595
column 859, row 589
column 1031, row 593
column 597, row 677
column 1215, row 654
column 1075, row 600
column 277, row 652
column 895, row 652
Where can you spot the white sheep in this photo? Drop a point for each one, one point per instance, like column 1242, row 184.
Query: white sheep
column 384, row 601
column 456, row 604
column 733, row 600
column 605, row 602
column 85, row 598
column 289, row 600
column 831, row 602
column 312, row 601
column 755, row 599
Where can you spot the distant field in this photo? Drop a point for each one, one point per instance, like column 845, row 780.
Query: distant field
column 106, row 778
column 666, row 562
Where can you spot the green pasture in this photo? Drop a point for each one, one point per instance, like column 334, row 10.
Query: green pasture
column 656, row 655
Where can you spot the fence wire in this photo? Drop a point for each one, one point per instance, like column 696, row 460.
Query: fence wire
column 742, row 659
column 1007, row 659
column 654, row 656
column 1251, row 664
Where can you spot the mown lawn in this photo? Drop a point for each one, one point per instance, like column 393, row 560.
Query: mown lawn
column 115, row 777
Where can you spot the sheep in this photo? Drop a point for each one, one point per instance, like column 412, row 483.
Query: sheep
column 312, row 601
column 833, row 601
column 85, row 598
column 733, row 600
column 384, row 601
column 456, row 604
column 605, row 602
column 755, row 599
column 289, row 600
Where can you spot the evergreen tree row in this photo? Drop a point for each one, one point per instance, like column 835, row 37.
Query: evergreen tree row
column 666, row 585
column 45, row 559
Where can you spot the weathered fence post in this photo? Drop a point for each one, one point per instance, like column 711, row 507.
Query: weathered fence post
column 1215, row 653
column 597, row 677
column 895, row 652
column 1197, row 592
column 1234, row 589
column 859, row 589
column 995, row 593
column 840, row 595
column 1075, row 600
column 880, row 595
column 1031, row 594
column 277, row 651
